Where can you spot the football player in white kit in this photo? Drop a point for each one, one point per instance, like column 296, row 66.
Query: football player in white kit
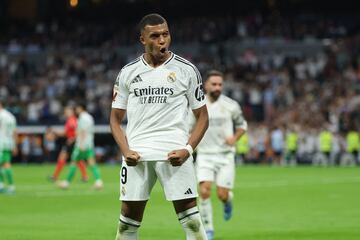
column 155, row 91
column 215, row 162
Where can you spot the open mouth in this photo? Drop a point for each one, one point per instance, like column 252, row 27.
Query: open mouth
column 163, row 50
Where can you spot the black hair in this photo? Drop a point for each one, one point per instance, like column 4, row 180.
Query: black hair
column 81, row 104
column 152, row 20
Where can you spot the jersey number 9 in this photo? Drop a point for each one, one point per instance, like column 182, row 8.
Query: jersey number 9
column 123, row 175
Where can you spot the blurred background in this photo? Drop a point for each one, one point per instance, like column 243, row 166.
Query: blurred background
column 293, row 65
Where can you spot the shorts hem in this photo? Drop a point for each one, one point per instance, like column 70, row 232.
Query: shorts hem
column 205, row 180
column 134, row 200
column 182, row 198
column 227, row 187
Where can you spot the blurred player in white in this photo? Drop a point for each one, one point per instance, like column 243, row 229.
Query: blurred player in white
column 155, row 91
column 7, row 148
column 215, row 162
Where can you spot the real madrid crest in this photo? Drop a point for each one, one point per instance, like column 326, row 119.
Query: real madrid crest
column 171, row 77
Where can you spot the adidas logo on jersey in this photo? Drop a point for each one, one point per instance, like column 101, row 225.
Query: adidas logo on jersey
column 136, row 79
column 188, row 191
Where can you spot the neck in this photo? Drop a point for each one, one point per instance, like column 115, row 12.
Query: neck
column 155, row 62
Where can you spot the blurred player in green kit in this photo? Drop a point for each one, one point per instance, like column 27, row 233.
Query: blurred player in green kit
column 7, row 147
column 84, row 147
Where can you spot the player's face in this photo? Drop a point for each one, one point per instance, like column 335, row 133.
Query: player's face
column 156, row 40
column 214, row 86
column 68, row 112
column 78, row 111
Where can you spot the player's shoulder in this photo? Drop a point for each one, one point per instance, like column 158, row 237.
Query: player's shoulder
column 88, row 115
column 72, row 119
column 13, row 118
column 186, row 64
column 8, row 115
column 229, row 101
column 85, row 117
column 130, row 67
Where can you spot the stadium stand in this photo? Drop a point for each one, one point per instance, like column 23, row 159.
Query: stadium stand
column 300, row 70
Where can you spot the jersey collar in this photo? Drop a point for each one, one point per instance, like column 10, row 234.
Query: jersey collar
column 163, row 64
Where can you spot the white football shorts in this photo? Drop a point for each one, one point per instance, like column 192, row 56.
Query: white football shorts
column 178, row 183
column 218, row 168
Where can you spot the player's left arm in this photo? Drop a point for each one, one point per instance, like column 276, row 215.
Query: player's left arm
column 178, row 157
column 196, row 98
column 240, row 126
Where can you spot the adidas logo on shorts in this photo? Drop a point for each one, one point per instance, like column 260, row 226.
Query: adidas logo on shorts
column 188, row 191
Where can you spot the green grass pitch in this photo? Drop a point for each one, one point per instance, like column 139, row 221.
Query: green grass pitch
column 271, row 203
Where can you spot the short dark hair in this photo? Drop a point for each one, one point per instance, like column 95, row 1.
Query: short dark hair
column 81, row 104
column 212, row 73
column 152, row 20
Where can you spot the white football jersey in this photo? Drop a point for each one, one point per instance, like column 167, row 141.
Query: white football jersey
column 225, row 115
column 86, row 124
column 7, row 128
column 157, row 101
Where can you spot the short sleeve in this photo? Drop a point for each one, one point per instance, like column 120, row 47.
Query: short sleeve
column 195, row 93
column 120, row 92
column 238, row 118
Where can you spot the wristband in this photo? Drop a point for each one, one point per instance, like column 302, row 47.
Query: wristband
column 189, row 149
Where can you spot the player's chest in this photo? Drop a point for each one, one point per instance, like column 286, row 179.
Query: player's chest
column 218, row 114
column 158, row 85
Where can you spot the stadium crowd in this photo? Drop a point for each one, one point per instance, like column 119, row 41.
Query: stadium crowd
column 52, row 65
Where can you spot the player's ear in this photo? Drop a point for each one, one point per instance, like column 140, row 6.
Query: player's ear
column 142, row 40
column 206, row 84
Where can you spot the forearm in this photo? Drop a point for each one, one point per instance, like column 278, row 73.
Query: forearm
column 238, row 133
column 119, row 135
column 201, row 125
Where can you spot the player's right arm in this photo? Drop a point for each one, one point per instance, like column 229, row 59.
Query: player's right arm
column 119, row 104
column 116, row 117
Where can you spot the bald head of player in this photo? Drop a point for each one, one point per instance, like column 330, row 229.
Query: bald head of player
column 214, row 84
column 155, row 36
